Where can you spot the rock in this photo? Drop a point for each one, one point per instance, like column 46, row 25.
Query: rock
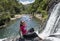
column 51, row 4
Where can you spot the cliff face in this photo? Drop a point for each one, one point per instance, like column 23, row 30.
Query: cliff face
column 51, row 4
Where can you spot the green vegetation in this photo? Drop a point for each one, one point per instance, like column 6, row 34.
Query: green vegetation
column 5, row 17
column 38, row 7
column 8, row 8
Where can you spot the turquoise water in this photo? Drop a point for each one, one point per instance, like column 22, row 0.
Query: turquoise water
column 13, row 29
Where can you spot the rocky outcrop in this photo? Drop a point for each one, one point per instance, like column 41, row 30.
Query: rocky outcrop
column 51, row 4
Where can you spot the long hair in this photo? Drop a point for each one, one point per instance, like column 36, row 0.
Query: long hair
column 22, row 23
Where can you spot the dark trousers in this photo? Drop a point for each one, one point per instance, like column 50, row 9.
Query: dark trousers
column 30, row 36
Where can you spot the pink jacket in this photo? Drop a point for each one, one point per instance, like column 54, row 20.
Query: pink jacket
column 23, row 29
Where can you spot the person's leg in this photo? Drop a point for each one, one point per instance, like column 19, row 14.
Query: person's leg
column 35, row 35
column 31, row 36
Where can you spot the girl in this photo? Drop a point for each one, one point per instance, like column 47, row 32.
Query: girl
column 23, row 27
column 25, row 32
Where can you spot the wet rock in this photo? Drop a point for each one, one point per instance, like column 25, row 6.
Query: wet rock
column 51, row 4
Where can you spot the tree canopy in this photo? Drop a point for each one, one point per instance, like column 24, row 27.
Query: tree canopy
column 14, row 7
column 11, row 7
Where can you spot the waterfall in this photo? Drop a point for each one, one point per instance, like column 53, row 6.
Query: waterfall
column 55, row 25
column 51, row 22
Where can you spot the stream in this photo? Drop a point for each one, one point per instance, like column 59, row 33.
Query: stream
column 13, row 29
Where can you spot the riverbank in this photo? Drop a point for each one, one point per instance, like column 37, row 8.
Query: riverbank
column 3, row 26
column 39, row 16
column 19, row 16
column 16, row 17
column 11, row 38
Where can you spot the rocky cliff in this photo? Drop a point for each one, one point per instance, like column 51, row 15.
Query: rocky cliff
column 51, row 4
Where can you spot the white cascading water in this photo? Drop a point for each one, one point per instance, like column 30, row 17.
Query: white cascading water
column 55, row 25
column 55, row 33
column 50, row 23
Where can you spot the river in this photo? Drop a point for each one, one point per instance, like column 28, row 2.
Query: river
column 13, row 29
